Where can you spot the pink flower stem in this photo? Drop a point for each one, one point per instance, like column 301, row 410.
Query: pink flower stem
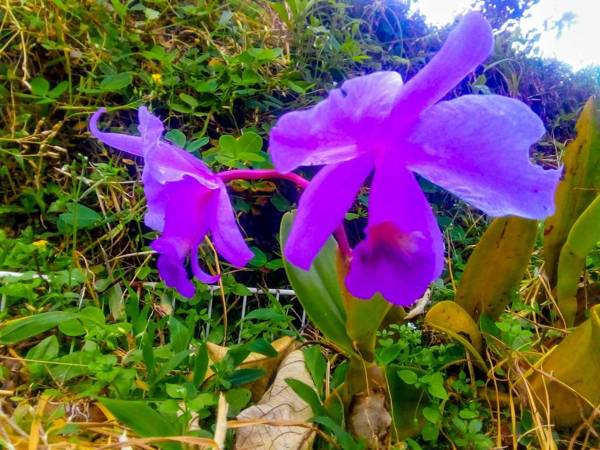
column 302, row 183
column 251, row 174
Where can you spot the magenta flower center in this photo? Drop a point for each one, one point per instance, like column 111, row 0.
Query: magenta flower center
column 388, row 242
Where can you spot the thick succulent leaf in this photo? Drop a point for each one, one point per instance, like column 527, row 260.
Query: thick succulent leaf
column 318, row 290
column 579, row 187
column 407, row 403
column 568, row 375
column 451, row 319
column 582, row 238
column 361, row 331
column 364, row 318
column 496, row 266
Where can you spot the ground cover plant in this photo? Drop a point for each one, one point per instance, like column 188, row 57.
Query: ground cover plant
column 205, row 286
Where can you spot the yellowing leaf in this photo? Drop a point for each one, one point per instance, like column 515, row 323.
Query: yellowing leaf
column 496, row 266
column 582, row 239
column 361, row 331
column 568, row 375
column 579, row 186
column 450, row 318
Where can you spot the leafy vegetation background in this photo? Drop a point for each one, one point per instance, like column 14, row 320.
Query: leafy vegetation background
column 219, row 73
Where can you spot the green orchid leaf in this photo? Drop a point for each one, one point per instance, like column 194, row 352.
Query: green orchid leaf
column 318, row 290
column 583, row 237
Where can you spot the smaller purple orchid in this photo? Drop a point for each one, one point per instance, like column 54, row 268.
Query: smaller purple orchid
column 186, row 201
column 475, row 146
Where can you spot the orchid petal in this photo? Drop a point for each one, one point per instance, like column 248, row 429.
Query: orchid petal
column 332, row 131
column 188, row 213
column 130, row 144
column 171, row 267
column 467, row 46
column 166, row 163
column 149, row 126
column 198, row 272
column 226, row 234
column 322, row 208
column 477, row 147
column 403, row 251
column 156, row 204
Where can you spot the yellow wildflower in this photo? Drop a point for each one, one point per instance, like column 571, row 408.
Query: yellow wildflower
column 157, row 78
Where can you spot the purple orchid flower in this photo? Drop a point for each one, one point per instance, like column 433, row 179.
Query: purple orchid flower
column 475, row 146
column 186, row 201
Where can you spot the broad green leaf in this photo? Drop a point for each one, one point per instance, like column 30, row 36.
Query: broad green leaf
column 39, row 86
column 191, row 101
column 46, row 350
column 204, row 86
column 261, row 346
column 171, row 364
column 308, row 394
column 159, row 53
column 244, row 376
column 261, row 54
column 177, row 137
column 120, row 8
column 237, row 398
column 266, row 314
column 582, row 239
column 232, row 151
column 435, row 385
column 144, row 420
column 58, row 90
column 579, row 187
column 259, row 259
column 116, row 302
column 78, row 217
column 408, row 376
column 180, row 335
column 316, row 365
column 432, row 414
column 72, row 327
column 21, row 329
column 344, row 439
column 496, row 266
column 318, row 290
column 200, row 364
column 568, row 375
column 196, row 144
column 175, row 390
column 73, row 365
column 116, row 82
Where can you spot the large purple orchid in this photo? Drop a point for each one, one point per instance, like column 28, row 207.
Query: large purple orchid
column 477, row 147
column 186, row 201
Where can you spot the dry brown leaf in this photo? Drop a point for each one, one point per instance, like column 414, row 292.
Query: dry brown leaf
column 280, row 403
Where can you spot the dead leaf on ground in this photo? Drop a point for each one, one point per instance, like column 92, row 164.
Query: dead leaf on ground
column 280, row 403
